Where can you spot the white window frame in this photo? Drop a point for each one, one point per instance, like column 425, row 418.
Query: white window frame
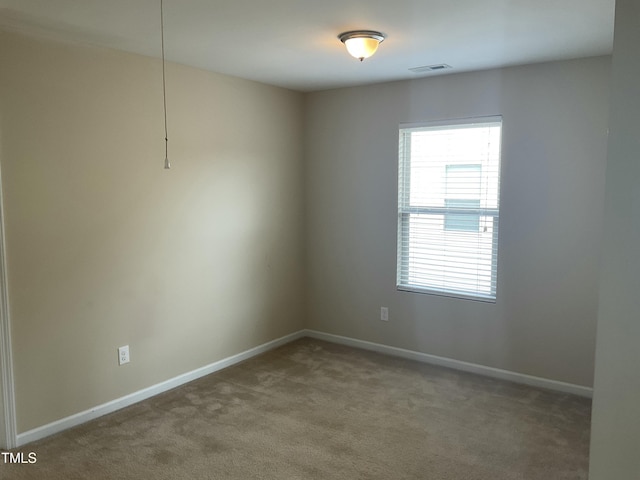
column 406, row 210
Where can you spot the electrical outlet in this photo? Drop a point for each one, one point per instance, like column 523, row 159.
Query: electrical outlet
column 384, row 314
column 123, row 355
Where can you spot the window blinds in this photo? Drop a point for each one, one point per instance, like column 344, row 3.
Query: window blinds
column 448, row 208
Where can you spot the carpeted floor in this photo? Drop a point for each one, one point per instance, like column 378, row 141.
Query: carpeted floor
column 314, row 410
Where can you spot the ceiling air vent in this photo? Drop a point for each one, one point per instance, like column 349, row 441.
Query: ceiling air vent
column 430, row 68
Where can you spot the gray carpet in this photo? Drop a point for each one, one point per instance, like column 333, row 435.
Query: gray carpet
column 314, row 410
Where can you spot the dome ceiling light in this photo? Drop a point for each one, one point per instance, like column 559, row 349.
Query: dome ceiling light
column 361, row 44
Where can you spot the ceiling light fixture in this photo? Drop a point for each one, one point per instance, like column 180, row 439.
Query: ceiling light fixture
column 361, row 44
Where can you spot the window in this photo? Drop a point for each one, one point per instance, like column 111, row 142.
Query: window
column 448, row 208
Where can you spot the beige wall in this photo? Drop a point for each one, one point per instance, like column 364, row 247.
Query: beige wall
column 554, row 152
column 105, row 248
column 2, row 421
column 615, row 430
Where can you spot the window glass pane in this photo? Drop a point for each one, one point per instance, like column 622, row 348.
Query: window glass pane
column 469, row 222
column 448, row 208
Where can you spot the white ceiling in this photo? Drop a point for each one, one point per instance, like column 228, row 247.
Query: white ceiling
column 293, row 43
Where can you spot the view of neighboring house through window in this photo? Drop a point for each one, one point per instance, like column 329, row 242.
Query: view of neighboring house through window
column 462, row 190
column 448, row 208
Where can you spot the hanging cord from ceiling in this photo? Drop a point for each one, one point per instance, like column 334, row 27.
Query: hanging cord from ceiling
column 167, row 164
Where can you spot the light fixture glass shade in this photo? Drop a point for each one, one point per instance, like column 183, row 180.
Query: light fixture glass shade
column 361, row 47
column 361, row 44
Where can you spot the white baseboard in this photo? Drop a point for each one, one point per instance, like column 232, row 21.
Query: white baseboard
column 117, row 404
column 109, row 407
column 455, row 364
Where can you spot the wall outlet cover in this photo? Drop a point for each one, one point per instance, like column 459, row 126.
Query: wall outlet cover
column 123, row 355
